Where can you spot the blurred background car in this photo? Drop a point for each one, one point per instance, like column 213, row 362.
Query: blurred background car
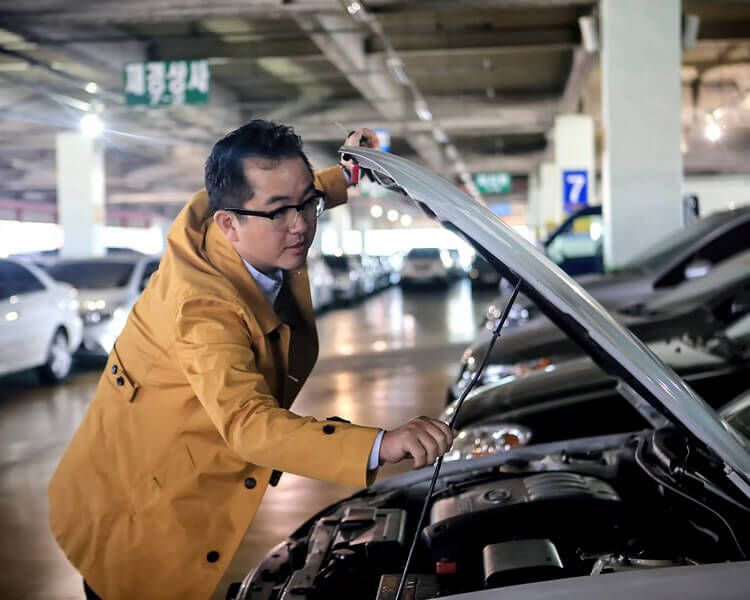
column 347, row 273
column 321, row 282
column 577, row 245
column 107, row 289
column 483, row 274
column 426, row 266
column 39, row 322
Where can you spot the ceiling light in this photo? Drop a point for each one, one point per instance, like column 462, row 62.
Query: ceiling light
column 690, row 26
column 357, row 10
column 92, row 87
column 450, row 152
column 589, row 33
column 91, row 125
column 396, row 67
column 713, row 131
column 439, row 136
column 392, row 215
column 718, row 113
column 491, row 93
column 376, row 211
column 405, row 220
column 422, row 110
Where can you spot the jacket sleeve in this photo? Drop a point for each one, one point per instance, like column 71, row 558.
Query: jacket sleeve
column 215, row 351
column 333, row 183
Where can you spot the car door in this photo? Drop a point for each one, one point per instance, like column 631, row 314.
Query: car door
column 28, row 314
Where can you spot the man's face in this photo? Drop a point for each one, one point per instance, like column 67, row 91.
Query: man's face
column 275, row 185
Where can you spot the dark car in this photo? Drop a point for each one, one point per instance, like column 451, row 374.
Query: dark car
column 654, row 513
column 577, row 245
column 699, row 307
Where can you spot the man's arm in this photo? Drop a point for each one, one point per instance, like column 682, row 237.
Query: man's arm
column 214, row 349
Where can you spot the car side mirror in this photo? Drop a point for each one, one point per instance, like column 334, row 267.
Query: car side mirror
column 697, row 268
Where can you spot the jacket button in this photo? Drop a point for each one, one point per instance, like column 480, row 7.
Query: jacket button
column 114, row 369
column 120, row 381
column 212, row 556
column 329, row 429
column 250, row 483
column 274, row 335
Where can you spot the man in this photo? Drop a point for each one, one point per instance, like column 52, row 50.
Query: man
column 191, row 415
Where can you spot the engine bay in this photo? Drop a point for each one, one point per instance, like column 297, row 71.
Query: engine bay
column 557, row 515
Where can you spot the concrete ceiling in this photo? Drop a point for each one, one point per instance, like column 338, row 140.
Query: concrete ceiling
column 494, row 74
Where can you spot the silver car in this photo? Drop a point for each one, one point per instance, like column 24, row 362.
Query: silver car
column 654, row 513
column 107, row 289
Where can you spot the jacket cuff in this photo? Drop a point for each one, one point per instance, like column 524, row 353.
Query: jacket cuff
column 333, row 182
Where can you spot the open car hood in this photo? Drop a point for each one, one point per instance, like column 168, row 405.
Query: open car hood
column 565, row 303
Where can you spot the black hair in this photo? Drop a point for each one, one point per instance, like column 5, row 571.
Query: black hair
column 225, row 179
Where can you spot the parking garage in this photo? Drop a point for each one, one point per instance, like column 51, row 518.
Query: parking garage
column 228, row 368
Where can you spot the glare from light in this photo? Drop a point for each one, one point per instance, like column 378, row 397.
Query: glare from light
column 91, row 125
column 392, row 215
column 396, row 68
column 440, row 136
column 13, row 299
column 354, row 8
column 718, row 113
column 405, row 220
column 92, row 87
column 713, row 132
column 338, row 252
column 422, row 110
column 11, row 316
column 450, row 152
column 376, row 211
column 595, row 231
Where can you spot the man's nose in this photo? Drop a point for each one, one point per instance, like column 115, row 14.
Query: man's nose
column 300, row 225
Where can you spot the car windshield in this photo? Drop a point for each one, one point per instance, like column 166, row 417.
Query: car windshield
column 423, row 253
column 337, row 263
column 92, row 275
column 663, row 253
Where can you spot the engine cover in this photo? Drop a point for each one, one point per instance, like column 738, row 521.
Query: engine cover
column 543, row 505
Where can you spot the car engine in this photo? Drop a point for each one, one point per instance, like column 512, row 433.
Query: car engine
column 562, row 514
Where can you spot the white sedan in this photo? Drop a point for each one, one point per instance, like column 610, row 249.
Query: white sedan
column 39, row 322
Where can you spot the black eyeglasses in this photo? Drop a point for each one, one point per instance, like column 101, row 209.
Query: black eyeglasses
column 286, row 217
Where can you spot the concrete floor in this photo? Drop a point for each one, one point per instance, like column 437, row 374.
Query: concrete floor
column 382, row 362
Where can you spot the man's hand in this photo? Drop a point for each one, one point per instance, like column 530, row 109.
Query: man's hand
column 422, row 439
column 362, row 137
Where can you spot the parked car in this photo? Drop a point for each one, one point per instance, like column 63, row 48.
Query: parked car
column 483, row 274
column 577, row 245
column 576, row 398
column 107, row 289
column 321, row 282
column 698, row 307
column 39, row 322
column 651, row 513
column 689, row 253
column 348, row 273
column 426, row 266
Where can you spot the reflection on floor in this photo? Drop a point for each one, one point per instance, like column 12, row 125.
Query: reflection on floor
column 382, row 362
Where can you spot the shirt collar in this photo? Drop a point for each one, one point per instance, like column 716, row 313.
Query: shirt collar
column 269, row 284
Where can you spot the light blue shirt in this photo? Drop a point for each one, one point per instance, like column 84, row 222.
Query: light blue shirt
column 270, row 286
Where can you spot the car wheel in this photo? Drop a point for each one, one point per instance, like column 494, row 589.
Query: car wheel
column 59, row 359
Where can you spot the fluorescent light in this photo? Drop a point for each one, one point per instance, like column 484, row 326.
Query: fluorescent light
column 396, row 67
column 713, row 132
column 353, row 8
column 718, row 113
column 92, row 87
column 405, row 220
column 589, row 33
column 357, row 10
column 440, row 136
column 91, row 125
column 392, row 215
column 450, row 152
column 376, row 211
column 422, row 110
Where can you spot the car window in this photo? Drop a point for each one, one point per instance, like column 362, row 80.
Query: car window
column 92, row 275
column 151, row 268
column 424, row 253
column 582, row 237
column 337, row 263
column 15, row 279
column 724, row 246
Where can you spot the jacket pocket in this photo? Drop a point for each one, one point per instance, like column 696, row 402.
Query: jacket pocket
column 118, row 377
column 166, row 480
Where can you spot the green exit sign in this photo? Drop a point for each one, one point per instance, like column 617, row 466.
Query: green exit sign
column 493, row 183
column 167, row 82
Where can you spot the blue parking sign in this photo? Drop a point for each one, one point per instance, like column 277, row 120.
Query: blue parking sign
column 575, row 190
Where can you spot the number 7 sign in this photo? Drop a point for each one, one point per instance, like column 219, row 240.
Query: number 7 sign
column 575, row 190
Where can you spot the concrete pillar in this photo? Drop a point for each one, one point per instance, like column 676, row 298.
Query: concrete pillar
column 575, row 155
column 80, row 194
column 532, row 204
column 642, row 163
column 340, row 223
column 550, row 198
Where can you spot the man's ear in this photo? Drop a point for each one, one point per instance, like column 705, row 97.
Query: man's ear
column 227, row 225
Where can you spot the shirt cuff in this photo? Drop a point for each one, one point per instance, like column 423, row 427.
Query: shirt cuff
column 374, row 460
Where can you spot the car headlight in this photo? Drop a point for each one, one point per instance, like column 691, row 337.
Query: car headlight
column 488, row 439
column 496, row 374
column 518, row 315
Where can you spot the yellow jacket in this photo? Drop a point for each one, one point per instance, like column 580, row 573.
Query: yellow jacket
column 166, row 472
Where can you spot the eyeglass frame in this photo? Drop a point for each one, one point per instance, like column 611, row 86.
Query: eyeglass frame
column 318, row 195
